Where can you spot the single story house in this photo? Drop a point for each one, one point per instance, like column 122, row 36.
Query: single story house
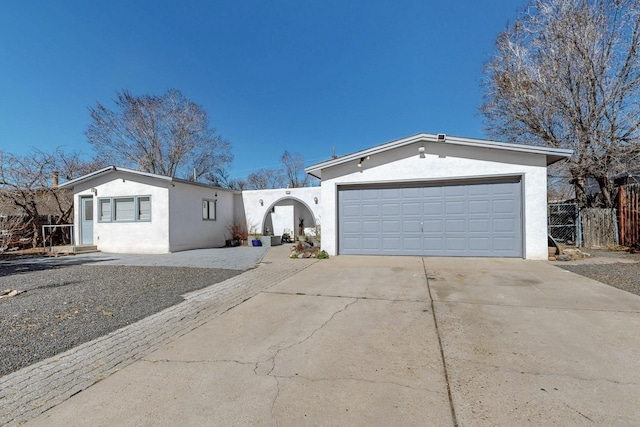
column 425, row 195
column 437, row 195
column 126, row 211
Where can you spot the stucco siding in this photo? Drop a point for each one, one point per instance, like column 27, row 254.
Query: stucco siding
column 306, row 203
column 127, row 237
column 188, row 230
column 449, row 163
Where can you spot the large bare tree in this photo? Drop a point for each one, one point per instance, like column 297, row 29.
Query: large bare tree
column 167, row 135
column 567, row 74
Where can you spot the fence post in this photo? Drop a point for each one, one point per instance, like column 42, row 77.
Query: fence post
column 579, row 228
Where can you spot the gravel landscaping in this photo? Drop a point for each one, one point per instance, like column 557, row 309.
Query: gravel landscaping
column 65, row 306
column 616, row 268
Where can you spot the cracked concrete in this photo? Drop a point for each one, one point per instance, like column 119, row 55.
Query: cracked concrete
column 528, row 344
column 353, row 341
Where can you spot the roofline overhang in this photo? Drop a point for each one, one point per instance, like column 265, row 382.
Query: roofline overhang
column 92, row 175
column 553, row 155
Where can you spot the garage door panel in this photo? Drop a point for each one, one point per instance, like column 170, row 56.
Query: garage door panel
column 479, row 207
column 479, row 243
column 391, row 193
column 391, row 244
column 352, row 227
column 503, row 206
column 466, row 219
column 412, row 226
column 432, row 208
column 504, row 225
column 455, row 225
column 371, row 227
column 479, row 190
column 412, row 209
column 479, row 225
column 412, row 193
column 456, row 244
column 454, row 191
column 412, row 243
column 433, row 244
column 455, row 208
column 391, row 209
column 392, row 226
column 371, row 210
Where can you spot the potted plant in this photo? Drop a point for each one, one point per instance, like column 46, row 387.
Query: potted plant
column 255, row 241
column 238, row 234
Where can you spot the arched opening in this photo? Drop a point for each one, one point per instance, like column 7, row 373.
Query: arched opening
column 288, row 214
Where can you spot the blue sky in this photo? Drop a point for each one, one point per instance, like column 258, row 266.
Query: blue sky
column 305, row 76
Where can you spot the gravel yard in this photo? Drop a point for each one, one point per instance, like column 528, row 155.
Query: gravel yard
column 615, row 268
column 65, row 306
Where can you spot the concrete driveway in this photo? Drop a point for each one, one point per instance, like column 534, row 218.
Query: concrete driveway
column 360, row 341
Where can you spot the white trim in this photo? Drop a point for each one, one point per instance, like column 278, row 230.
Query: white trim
column 553, row 154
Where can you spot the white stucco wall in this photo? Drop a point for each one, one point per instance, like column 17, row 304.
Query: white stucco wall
column 187, row 229
column 126, row 237
column 298, row 198
column 445, row 162
column 176, row 215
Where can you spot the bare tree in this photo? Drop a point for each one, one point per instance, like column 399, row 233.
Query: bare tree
column 567, row 74
column 293, row 164
column 27, row 190
column 220, row 177
column 167, row 135
column 266, row 178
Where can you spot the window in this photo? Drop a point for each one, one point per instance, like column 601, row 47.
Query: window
column 144, row 208
column 104, row 210
column 209, row 209
column 124, row 209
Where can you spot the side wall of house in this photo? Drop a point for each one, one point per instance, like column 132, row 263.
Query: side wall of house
column 188, row 229
column 448, row 163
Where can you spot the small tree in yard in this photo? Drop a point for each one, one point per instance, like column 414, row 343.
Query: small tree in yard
column 567, row 74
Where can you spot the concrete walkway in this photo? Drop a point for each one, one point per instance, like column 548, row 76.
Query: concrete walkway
column 363, row 341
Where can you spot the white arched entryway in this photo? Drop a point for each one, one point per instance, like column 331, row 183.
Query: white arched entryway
column 272, row 212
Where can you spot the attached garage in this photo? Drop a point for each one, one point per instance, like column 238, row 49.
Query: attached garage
column 473, row 218
column 435, row 195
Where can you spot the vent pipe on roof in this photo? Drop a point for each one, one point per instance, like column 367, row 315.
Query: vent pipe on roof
column 54, row 180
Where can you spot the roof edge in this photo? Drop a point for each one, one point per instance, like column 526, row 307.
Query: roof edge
column 553, row 154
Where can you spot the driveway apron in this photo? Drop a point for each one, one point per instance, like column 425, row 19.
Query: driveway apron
column 527, row 343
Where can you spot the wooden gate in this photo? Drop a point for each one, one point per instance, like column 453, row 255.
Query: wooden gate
column 629, row 214
column 598, row 227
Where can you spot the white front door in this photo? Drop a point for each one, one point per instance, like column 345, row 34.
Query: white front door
column 86, row 220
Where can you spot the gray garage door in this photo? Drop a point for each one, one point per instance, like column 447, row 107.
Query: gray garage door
column 462, row 219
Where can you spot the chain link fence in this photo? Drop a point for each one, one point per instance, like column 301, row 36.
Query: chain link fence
column 563, row 221
column 569, row 225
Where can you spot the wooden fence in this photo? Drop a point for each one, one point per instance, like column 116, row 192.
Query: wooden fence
column 598, row 227
column 629, row 214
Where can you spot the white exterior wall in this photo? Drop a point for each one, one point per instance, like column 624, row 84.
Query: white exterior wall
column 256, row 212
column 187, row 229
column 444, row 162
column 126, row 237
